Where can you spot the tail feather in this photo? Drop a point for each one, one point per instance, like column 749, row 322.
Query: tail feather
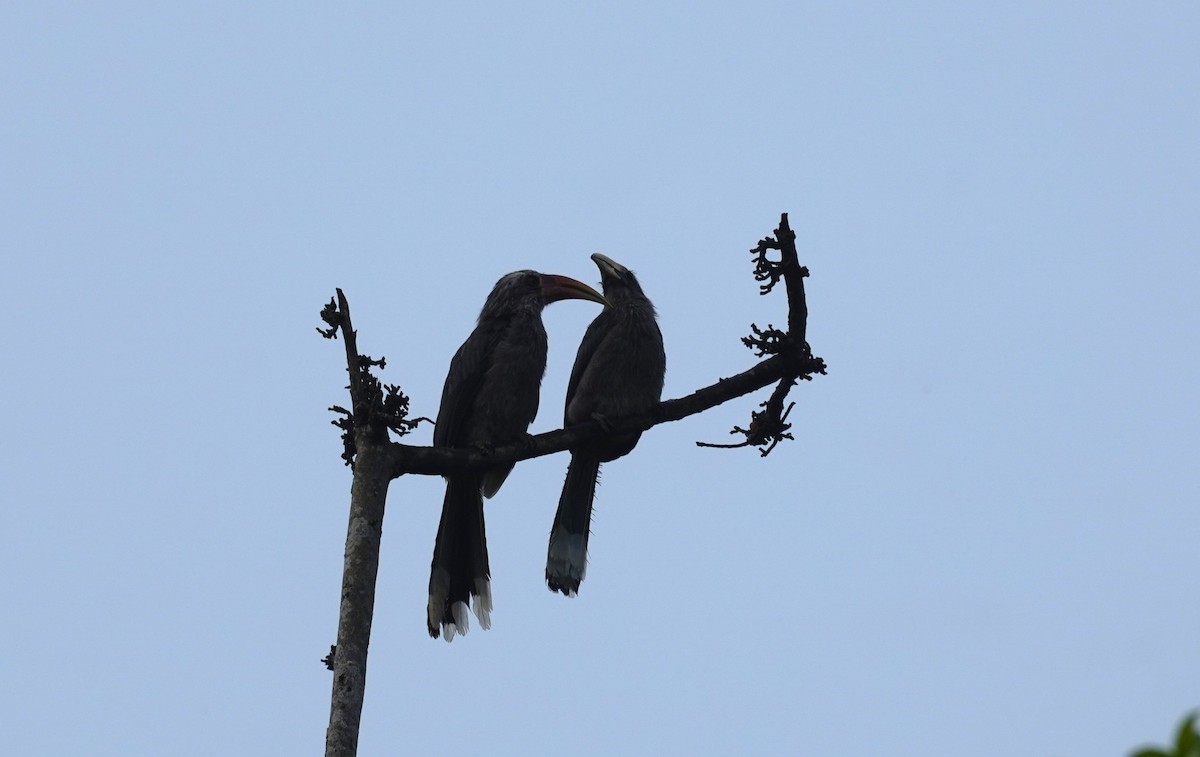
column 459, row 577
column 566, row 557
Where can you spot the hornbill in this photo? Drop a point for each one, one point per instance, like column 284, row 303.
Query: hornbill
column 490, row 397
column 618, row 371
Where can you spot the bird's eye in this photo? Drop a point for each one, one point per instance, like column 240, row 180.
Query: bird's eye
column 531, row 280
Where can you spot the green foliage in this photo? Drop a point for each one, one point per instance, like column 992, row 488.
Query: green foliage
column 1187, row 742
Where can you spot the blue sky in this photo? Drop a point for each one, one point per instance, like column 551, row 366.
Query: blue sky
column 982, row 540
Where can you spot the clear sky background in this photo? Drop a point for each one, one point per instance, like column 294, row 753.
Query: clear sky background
column 983, row 540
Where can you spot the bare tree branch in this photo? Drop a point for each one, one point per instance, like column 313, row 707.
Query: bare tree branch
column 365, row 450
column 769, row 427
column 440, row 461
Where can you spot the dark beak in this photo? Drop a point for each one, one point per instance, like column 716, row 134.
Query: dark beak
column 609, row 268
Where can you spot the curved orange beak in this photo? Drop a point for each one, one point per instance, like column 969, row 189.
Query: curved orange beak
column 555, row 288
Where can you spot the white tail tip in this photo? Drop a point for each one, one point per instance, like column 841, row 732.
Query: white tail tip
column 566, row 562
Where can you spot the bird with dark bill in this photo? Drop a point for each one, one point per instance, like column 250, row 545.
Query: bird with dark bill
column 490, row 398
column 618, row 372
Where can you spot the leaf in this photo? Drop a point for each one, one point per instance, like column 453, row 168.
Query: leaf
column 1187, row 741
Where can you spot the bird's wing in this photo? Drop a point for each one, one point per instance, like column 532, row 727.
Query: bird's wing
column 467, row 369
column 597, row 330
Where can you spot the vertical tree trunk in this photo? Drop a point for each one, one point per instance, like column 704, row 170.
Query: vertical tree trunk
column 368, row 494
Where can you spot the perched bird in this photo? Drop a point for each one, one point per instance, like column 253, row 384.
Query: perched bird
column 618, row 371
column 490, row 397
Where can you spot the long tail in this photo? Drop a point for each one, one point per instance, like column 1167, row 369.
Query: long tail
column 459, row 573
column 566, row 558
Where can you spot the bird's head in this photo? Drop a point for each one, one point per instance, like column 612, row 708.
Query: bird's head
column 619, row 283
column 533, row 291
